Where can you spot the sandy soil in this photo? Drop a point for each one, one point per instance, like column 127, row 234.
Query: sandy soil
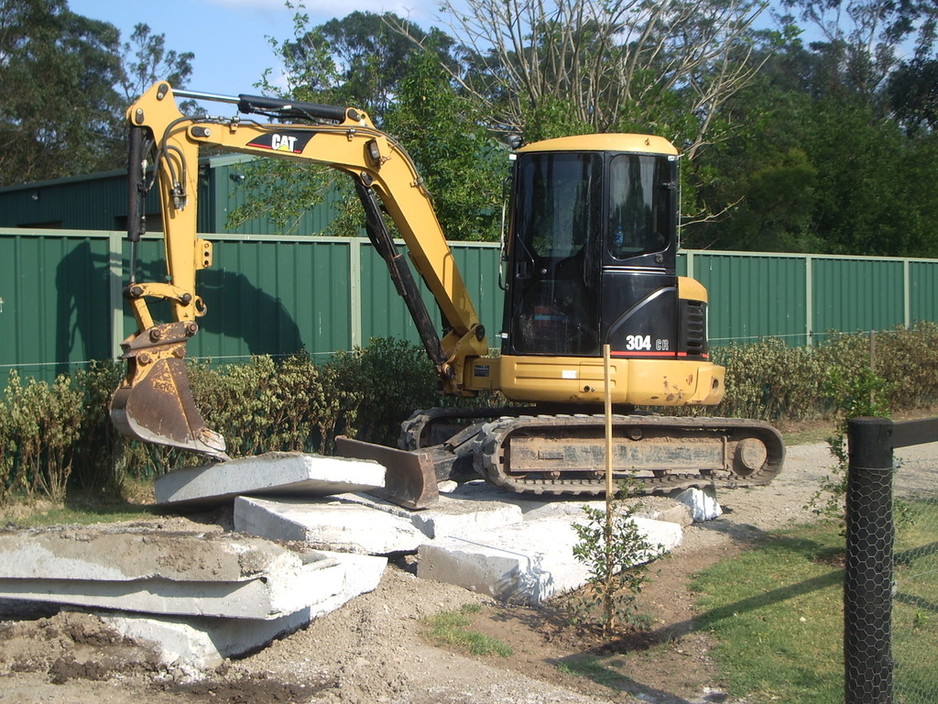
column 373, row 650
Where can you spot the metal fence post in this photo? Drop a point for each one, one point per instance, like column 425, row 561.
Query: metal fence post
column 868, row 664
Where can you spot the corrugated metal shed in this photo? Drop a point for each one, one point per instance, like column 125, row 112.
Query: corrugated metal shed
column 100, row 202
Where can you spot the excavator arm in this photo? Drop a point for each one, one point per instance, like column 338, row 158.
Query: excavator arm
column 154, row 402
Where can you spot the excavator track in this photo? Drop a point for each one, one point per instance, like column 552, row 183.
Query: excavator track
column 559, row 454
column 436, row 426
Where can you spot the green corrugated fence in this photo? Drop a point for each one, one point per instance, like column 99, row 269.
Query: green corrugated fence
column 61, row 304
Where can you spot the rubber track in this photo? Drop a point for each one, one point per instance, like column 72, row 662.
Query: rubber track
column 492, row 436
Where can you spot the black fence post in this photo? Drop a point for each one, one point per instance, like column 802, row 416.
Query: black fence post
column 868, row 664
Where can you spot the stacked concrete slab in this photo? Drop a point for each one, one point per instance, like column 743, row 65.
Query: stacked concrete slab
column 200, row 597
column 513, row 547
column 237, row 592
column 205, row 642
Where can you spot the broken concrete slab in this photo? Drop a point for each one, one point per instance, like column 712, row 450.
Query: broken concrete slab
column 525, row 563
column 677, row 513
column 125, row 552
column 702, row 504
column 480, row 493
column 162, row 572
column 338, row 525
column 274, row 473
column 205, row 642
column 451, row 516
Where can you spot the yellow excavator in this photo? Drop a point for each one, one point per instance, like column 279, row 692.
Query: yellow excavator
column 589, row 261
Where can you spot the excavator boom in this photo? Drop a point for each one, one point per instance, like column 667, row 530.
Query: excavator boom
column 154, row 403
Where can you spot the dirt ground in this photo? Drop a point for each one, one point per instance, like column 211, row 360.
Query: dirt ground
column 372, row 649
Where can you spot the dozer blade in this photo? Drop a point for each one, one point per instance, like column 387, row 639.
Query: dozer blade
column 154, row 403
column 409, row 478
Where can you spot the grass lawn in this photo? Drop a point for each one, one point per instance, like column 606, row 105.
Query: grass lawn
column 776, row 612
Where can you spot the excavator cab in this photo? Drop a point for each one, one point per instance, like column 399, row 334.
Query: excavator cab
column 591, row 260
column 592, row 249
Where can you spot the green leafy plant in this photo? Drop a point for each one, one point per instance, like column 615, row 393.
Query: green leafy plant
column 393, row 378
column 42, row 428
column 855, row 393
column 616, row 553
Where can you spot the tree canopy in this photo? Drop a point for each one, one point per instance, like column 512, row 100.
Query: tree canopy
column 820, row 145
column 66, row 80
column 805, row 125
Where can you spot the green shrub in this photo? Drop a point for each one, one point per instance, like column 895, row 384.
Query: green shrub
column 393, row 378
column 55, row 434
column 101, row 455
column 771, row 381
column 266, row 405
column 7, row 450
column 908, row 360
column 42, row 429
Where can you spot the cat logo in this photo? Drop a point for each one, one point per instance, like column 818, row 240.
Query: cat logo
column 282, row 142
column 293, row 142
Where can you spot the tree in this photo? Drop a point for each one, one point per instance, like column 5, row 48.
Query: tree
column 59, row 112
column 62, row 76
column 146, row 60
column 360, row 60
column 461, row 163
column 861, row 39
column 372, row 51
column 913, row 95
column 666, row 67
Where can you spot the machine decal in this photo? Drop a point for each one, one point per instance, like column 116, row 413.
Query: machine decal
column 652, row 353
column 637, row 342
column 294, row 143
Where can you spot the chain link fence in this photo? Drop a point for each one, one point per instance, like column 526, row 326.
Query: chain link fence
column 891, row 570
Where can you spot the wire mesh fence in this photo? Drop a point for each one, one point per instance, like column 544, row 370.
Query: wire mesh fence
column 891, row 567
column 915, row 597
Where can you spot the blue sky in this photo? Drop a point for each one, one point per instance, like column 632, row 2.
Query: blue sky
column 229, row 37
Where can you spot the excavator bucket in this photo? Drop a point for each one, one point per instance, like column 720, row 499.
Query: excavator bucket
column 154, row 403
column 409, row 477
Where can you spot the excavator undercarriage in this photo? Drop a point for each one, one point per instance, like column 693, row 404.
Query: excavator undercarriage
column 564, row 454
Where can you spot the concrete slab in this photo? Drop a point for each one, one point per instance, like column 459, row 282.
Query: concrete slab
column 525, row 563
column 702, row 504
column 274, row 474
column 124, row 552
column 338, row 525
column 153, row 571
column 205, row 642
column 475, row 495
column 451, row 516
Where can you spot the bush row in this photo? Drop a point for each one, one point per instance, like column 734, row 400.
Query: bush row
column 771, row 381
column 56, row 436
